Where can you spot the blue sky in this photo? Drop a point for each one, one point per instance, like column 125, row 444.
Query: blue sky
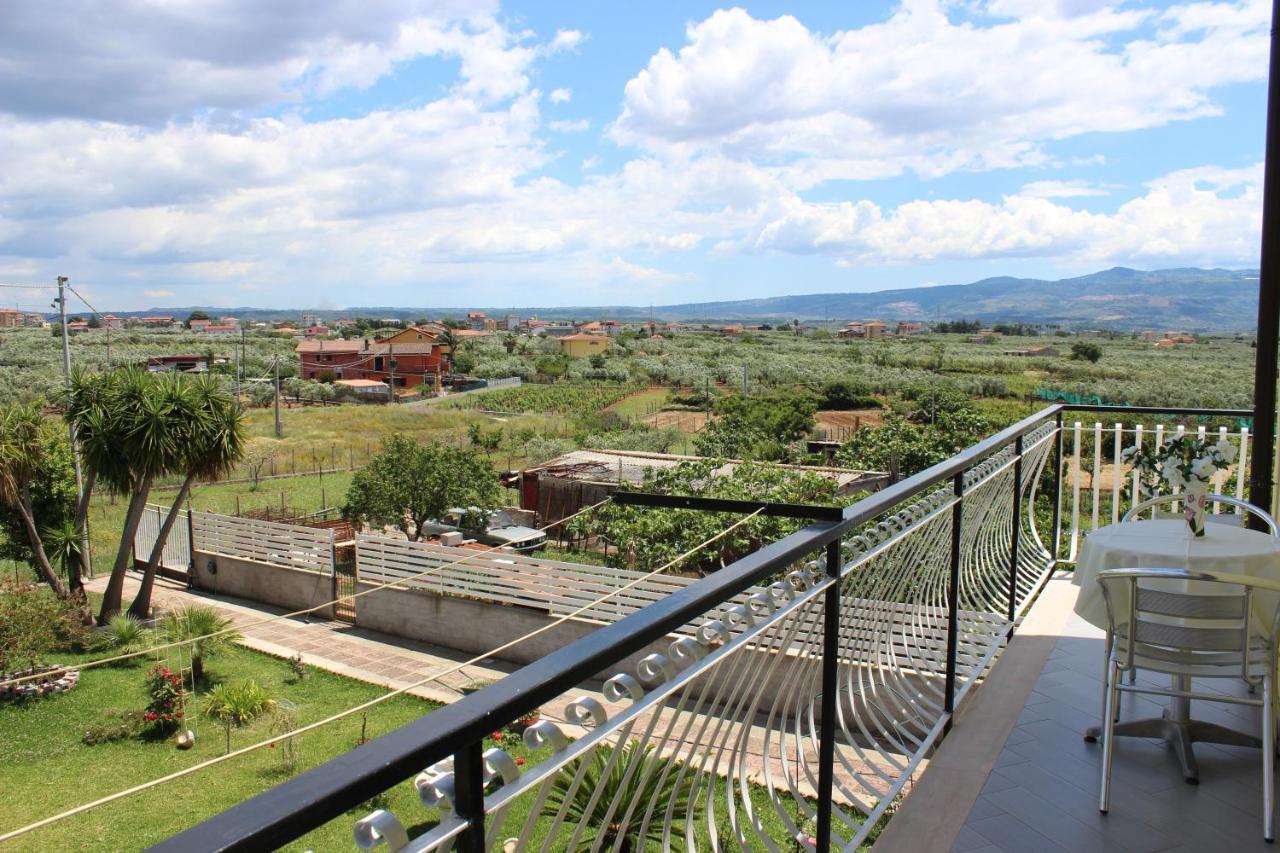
column 448, row 153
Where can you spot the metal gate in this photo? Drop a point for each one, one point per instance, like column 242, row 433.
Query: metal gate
column 175, row 559
column 344, row 580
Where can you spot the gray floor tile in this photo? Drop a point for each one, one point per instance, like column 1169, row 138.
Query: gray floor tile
column 1009, row 833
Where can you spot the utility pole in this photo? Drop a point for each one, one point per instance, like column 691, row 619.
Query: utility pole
column 746, row 382
column 279, row 430
column 85, row 559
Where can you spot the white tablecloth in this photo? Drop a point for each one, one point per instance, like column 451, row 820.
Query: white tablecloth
column 1168, row 544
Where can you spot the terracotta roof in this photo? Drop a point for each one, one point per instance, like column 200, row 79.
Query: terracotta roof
column 360, row 383
column 356, row 346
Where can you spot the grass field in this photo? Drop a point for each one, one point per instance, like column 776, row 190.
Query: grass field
column 46, row 759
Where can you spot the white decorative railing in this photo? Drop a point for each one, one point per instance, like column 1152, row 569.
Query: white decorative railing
column 1098, row 483
column 502, row 577
column 288, row 545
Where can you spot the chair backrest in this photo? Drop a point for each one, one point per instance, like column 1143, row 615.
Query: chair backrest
column 1156, row 618
column 1244, row 508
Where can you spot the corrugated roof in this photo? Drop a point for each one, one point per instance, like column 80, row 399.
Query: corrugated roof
column 629, row 466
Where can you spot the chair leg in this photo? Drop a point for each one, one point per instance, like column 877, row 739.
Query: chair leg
column 1268, row 760
column 1108, row 735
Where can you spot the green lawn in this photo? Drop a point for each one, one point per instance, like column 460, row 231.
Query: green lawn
column 46, row 767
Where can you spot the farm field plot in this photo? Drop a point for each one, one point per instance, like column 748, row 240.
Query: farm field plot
column 559, row 399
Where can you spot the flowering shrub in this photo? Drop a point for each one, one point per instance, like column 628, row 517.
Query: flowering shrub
column 166, row 698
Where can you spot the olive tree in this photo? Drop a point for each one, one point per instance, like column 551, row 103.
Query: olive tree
column 408, row 484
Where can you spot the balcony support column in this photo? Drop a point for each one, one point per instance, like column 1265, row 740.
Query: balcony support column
column 1264, row 373
column 830, row 682
column 953, row 595
column 468, row 780
column 1016, row 533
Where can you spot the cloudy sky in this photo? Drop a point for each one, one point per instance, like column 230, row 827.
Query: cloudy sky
column 335, row 153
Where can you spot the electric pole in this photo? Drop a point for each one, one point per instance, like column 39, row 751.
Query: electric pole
column 279, row 430
column 746, row 383
column 85, row 558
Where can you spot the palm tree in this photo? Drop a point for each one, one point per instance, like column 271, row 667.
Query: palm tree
column 452, row 344
column 22, row 430
column 637, row 792
column 134, row 426
column 213, row 441
column 200, row 621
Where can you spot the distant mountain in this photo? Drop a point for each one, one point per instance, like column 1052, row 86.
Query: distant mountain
column 1119, row 298
column 1190, row 299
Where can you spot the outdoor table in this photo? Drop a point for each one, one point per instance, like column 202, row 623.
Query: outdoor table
column 1165, row 543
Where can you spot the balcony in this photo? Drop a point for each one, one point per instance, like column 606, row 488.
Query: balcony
column 904, row 672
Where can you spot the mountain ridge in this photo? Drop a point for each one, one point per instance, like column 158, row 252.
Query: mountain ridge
column 1119, row 298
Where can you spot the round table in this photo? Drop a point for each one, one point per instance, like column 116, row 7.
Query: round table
column 1168, row 544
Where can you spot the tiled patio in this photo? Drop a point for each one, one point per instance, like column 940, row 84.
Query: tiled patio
column 1041, row 791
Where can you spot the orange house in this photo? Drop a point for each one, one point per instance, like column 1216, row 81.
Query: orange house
column 407, row 359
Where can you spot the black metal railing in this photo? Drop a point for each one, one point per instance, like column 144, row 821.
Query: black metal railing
column 844, row 648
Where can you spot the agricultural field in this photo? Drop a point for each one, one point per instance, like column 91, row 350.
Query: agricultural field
column 558, row 399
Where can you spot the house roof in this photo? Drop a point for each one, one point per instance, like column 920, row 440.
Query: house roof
column 584, row 337
column 360, row 383
column 629, row 466
column 356, row 346
column 470, row 333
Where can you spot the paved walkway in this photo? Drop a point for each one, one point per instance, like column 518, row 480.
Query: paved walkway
column 338, row 647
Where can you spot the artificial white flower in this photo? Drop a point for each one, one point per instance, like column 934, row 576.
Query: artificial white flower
column 1227, row 450
column 1129, row 452
column 1203, row 468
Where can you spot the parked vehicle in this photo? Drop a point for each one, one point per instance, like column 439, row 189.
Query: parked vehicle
column 491, row 528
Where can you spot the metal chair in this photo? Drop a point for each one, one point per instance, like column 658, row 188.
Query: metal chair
column 1245, row 506
column 1206, row 633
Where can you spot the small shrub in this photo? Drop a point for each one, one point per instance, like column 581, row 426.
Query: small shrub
column 297, row 669
column 166, row 698
column 238, row 704
column 284, row 720
column 843, row 394
column 33, row 623
column 124, row 634
column 204, row 625
column 119, row 725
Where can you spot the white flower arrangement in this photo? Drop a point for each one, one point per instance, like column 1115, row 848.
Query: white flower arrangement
column 1184, row 462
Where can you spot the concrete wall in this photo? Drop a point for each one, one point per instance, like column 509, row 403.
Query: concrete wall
column 475, row 626
column 293, row 589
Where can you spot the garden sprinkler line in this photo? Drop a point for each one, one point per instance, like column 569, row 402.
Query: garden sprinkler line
column 304, row 612
column 364, row 706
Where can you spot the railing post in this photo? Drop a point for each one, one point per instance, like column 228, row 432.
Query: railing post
column 830, row 671
column 1057, row 487
column 1016, row 533
column 953, row 595
column 468, row 781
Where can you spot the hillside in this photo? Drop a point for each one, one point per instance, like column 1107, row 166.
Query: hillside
column 1215, row 300
column 1120, row 298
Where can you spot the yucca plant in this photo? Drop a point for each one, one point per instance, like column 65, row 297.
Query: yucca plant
column 197, row 622
column 123, row 634
column 650, row 788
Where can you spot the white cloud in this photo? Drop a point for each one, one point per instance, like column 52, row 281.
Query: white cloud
column 1062, row 189
column 1194, row 216
column 566, row 40
column 920, row 92
column 155, row 186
